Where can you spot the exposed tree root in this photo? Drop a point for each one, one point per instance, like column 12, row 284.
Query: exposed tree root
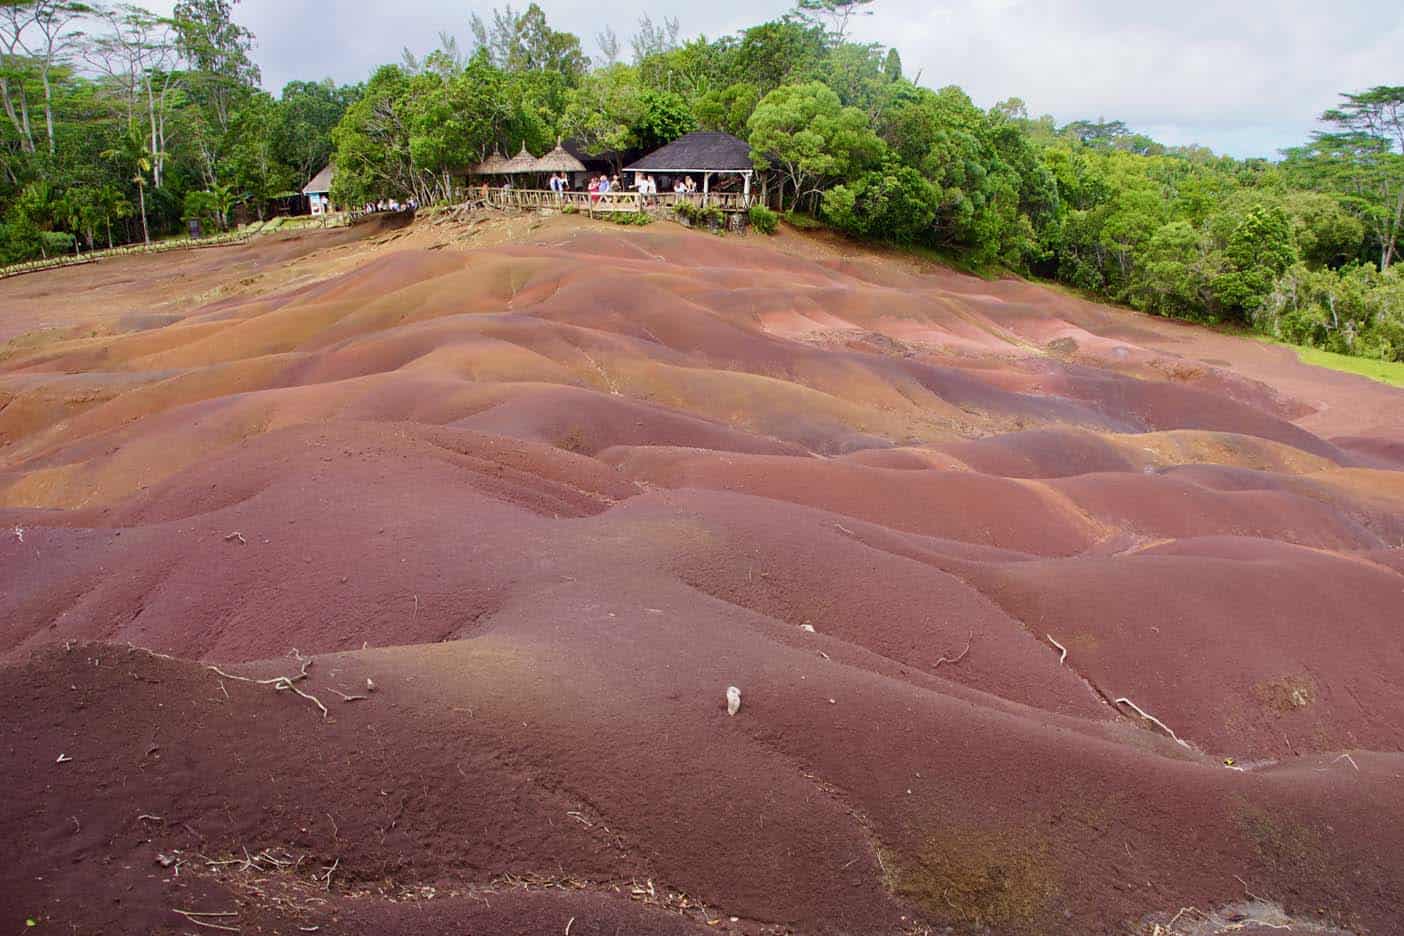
column 1152, row 719
column 280, row 683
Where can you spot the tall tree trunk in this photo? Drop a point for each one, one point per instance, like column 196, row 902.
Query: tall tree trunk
column 157, row 157
column 21, row 129
column 48, row 110
column 141, row 198
column 24, row 121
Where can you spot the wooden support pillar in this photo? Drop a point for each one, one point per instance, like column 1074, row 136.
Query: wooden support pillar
column 706, row 180
column 746, row 189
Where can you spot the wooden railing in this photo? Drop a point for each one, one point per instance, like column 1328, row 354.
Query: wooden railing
column 608, row 202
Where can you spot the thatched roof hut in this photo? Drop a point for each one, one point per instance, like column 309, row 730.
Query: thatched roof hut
column 522, row 162
column 705, row 153
column 559, row 160
column 491, row 166
column 701, row 152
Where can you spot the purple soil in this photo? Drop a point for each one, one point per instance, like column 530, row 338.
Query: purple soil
column 553, row 498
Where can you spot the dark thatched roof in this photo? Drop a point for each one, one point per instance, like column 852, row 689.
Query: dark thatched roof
column 704, row 151
column 597, row 161
column 321, row 182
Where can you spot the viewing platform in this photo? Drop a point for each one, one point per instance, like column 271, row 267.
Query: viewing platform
column 589, row 203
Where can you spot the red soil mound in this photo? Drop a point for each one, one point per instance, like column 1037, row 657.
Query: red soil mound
column 1042, row 622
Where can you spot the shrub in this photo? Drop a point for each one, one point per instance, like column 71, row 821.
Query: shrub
column 895, row 204
column 698, row 216
column 763, row 219
column 638, row 218
column 801, row 221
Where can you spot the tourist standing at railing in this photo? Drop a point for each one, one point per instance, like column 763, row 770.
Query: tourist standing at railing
column 595, row 190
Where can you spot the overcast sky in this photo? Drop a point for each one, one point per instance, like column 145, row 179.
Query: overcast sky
column 1245, row 78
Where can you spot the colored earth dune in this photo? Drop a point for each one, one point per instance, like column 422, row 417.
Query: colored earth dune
column 374, row 582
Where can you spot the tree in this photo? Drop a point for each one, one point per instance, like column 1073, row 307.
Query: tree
column 39, row 30
column 526, row 42
column 838, row 13
column 217, row 49
column 1259, row 249
column 1369, row 177
column 1174, row 272
column 138, row 55
column 609, row 46
column 855, row 73
column 257, row 174
column 894, row 204
column 604, row 111
column 776, row 53
column 654, row 39
column 1364, row 159
column 814, row 140
column 664, row 117
column 132, row 155
column 727, row 109
column 892, row 65
column 373, row 143
column 307, row 113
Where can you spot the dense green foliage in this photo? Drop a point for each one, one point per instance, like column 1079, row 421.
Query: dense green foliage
column 123, row 123
column 120, row 125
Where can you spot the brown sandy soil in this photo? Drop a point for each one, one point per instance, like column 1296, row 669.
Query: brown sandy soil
column 1048, row 618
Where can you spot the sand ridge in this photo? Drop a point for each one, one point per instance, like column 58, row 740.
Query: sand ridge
column 552, row 487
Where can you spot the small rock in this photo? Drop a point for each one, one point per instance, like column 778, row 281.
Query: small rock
column 733, row 700
column 807, row 628
column 164, row 861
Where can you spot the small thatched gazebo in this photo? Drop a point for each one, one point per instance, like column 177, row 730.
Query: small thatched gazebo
column 559, row 160
column 522, row 162
column 492, row 165
column 704, row 153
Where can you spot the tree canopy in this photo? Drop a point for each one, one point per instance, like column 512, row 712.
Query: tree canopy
column 121, row 125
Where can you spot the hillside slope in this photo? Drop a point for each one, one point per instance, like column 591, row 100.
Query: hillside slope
column 1046, row 617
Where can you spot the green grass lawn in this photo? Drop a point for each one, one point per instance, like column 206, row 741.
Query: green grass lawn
column 1390, row 372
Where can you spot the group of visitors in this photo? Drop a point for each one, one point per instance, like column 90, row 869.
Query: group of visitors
column 602, row 185
column 645, row 185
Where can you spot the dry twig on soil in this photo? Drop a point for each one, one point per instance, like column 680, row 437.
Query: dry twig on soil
column 1151, row 718
column 280, row 683
column 192, row 916
column 963, row 654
